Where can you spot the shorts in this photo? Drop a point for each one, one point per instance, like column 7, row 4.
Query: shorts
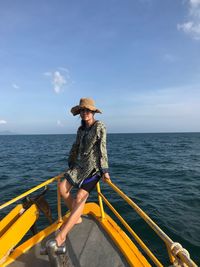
column 87, row 184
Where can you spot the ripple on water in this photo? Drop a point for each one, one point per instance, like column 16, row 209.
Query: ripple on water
column 160, row 172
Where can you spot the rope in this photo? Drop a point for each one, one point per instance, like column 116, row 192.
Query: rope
column 176, row 248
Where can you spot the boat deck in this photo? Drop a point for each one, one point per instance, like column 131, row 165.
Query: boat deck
column 87, row 245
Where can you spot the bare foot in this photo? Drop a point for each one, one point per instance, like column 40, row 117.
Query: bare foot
column 60, row 240
column 79, row 221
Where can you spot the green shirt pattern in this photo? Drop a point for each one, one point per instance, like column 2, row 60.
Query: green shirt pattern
column 88, row 154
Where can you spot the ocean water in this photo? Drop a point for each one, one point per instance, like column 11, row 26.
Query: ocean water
column 160, row 172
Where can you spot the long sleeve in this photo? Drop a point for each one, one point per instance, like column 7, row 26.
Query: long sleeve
column 73, row 154
column 88, row 153
column 103, row 149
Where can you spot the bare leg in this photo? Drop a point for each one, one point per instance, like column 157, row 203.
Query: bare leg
column 65, row 189
column 76, row 212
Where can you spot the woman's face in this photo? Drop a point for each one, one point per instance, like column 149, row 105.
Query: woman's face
column 86, row 114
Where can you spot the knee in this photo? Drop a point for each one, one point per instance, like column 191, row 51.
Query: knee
column 81, row 197
column 64, row 189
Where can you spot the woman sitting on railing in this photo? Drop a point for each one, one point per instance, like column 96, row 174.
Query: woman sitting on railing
column 88, row 162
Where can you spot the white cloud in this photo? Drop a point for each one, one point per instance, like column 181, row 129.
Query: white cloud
column 3, row 122
column 15, row 86
column 195, row 2
column 59, row 79
column 192, row 26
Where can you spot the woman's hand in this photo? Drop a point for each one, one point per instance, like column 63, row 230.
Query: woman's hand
column 106, row 177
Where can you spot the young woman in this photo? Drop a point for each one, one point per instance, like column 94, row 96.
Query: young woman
column 88, row 162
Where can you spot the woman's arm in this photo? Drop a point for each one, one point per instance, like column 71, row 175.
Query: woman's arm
column 73, row 154
column 103, row 153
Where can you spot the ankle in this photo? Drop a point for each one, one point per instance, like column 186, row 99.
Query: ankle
column 79, row 220
column 60, row 240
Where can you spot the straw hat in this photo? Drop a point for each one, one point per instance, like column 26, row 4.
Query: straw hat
column 85, row 103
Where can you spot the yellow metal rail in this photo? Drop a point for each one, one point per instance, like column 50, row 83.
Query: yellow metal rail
column 8, row 240
column 139, row 241
column 100, row 202
column 176, row 252
column 59, row 202
column 31, row 191
column 11, row 238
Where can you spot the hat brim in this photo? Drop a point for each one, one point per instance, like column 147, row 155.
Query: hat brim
column 76, row 110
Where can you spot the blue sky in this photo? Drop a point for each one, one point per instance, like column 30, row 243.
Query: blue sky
column 139, row 60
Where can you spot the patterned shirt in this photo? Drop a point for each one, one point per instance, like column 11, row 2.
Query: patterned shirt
column 88, row 154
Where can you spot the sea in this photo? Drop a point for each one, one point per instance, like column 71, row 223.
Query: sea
column 160, row 172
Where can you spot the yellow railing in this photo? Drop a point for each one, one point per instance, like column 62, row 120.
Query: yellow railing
column 56, row 178
column 177, row 254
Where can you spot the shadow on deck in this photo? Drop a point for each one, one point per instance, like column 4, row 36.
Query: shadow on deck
column 87, row 245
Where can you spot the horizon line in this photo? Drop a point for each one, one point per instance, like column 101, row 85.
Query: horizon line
column 170, row 132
